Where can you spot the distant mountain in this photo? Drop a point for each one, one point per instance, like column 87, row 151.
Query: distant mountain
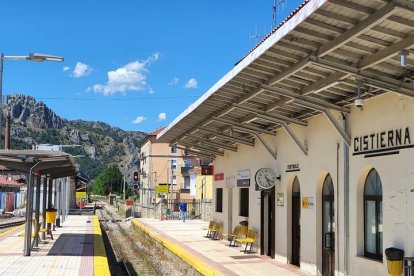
column 101, row 144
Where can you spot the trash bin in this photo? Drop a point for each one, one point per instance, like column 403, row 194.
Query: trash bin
column 395, row 258
column 167, row 212
column 51, row 215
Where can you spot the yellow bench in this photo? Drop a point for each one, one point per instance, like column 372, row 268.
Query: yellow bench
column 214, row 232
column 249, row 240
column 233, row 236
column 209, row 228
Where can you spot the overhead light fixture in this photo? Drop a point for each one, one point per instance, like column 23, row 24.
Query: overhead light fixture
column 403, row 57
column 359, row 102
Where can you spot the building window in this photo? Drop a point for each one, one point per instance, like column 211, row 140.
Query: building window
column 188, row 163
column 186, row 182
column 173, row 166
column 373, row 216
column 174, row 180
column 244, row 202
column 219, row 200
column 173, row 150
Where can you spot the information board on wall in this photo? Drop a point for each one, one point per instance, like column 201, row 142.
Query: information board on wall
column 243, row 178
column 308, row 202
column 231, row 182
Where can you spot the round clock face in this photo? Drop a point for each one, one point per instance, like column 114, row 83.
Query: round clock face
column 265, row 178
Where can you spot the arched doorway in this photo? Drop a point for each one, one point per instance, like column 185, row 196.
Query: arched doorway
column 295, row 260
column 328, row 228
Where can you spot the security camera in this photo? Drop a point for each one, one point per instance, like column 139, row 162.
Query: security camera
column 359, row 103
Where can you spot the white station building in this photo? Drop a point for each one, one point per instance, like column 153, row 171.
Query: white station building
column 313, row 137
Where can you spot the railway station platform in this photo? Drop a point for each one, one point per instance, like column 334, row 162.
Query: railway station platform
column 77, row 249
column 210, row 257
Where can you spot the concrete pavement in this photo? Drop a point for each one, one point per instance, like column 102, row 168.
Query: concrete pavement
column 210, row 257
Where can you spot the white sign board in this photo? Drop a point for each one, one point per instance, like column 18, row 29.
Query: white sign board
column 231, row 182
column 243, row 178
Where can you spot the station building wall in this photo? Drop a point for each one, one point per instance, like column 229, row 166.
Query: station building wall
column 326, row 156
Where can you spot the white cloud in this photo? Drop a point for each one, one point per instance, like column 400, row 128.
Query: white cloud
column 174, row 81
column 81, row 70
column 151, row 90
column 191, row 83
column 138, row 120
column 66, row 68
column 130, row 77
column 162, row 116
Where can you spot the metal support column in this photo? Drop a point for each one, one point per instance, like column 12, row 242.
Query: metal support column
column 49, row 199
column 37, row 212
column 29, row 210
column 63, row 192
column 44, row 207
column 58, row 188
column 50, row 194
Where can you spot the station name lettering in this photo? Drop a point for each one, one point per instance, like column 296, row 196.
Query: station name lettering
column 382, row 140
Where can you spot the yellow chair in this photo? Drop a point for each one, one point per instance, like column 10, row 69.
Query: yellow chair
column 209, row 228
column 234, row 235
column 214, row 233
column 249, row 240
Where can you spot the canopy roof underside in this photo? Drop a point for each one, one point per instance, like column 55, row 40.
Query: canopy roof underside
column 314, row 61
column 52, row 163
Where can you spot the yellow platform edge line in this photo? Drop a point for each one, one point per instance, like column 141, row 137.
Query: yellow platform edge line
column 100, row 260
column 196, row 262
column 11, row 230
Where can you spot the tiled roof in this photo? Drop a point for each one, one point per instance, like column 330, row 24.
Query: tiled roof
column 155, row 132
column 8, row 183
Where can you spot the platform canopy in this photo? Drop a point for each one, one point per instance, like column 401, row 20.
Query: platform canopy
column 315, row 61
column 56, row 164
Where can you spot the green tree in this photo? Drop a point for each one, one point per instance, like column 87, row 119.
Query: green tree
column 109, row 179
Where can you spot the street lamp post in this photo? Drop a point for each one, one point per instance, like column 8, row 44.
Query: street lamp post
column 36, row 57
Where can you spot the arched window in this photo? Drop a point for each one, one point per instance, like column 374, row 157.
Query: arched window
column 373, row 216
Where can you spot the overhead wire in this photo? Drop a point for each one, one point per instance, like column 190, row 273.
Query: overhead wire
column 117, row 99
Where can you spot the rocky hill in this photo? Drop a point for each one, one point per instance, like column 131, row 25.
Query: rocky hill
column 100, row 144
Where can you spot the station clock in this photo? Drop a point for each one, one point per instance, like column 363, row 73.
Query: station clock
column 266, row 178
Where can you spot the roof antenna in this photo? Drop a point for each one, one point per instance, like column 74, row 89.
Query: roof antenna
column 255, row 36
column 276, row 10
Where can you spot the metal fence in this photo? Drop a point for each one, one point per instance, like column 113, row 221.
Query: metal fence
column 195, row 208
column 170, row 209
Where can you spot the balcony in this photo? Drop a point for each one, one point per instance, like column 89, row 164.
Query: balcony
column 185, row 170
column 184, row 191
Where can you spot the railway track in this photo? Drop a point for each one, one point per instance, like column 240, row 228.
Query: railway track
column 5, row 225
column 124, row 245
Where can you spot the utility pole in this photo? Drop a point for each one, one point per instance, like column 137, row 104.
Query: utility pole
column 124, row 189
column 172, row 184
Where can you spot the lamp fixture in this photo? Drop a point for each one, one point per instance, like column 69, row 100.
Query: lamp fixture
column 403, row 57
column 359, row 102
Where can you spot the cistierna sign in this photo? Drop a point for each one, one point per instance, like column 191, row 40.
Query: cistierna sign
column 382, row 143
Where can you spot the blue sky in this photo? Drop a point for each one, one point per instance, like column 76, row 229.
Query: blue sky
column 135, row 64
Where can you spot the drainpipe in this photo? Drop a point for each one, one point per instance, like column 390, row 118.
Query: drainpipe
column 337, row 253
column 346, row 196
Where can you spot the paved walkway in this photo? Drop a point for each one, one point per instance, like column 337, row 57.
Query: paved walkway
column 208, row 256
column 77, row 249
